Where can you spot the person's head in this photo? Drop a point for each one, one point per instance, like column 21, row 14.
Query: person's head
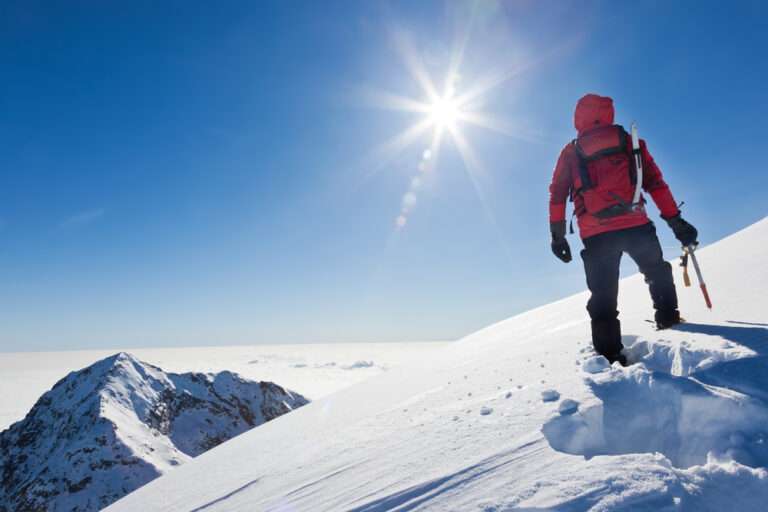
column 592, row 111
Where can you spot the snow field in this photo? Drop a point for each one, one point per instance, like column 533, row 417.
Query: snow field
column 470, row 428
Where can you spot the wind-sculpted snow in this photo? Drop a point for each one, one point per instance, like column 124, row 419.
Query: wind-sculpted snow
column 523, row 416
column 104, row 431
column 643, row 411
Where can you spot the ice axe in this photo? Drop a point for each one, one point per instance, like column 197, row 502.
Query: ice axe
column 688, row 252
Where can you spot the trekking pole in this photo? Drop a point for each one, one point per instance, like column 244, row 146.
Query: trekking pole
column 690, row 251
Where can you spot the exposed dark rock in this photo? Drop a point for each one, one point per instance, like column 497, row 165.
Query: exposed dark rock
column 108, row 429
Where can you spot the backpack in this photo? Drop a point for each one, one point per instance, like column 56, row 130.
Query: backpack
column 607, row 174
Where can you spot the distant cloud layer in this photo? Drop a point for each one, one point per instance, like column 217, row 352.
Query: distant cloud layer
column 82, row 218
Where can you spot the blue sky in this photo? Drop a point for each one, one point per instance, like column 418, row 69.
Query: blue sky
column 198, row 173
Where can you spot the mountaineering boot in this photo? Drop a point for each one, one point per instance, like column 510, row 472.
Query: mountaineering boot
column 621, row 358
column 606, row 338
column 667, row 319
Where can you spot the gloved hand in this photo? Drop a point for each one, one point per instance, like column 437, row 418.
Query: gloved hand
column 560, row 247
column 684, row 232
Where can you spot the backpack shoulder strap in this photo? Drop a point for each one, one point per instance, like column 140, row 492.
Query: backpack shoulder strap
column 586, row 181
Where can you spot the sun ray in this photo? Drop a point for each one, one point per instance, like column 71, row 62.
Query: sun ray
column 474, row 168
column 391, row 148
column 389, row 101
column 497, row 125
column 437, row 139
column 488, row 122
column 495, row 79
column 471, row 162
column 416, row 67
column 485, row 85
column 434, row 148
column 457, row 54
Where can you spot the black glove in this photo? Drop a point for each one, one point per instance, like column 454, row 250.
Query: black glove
column 684, row 232
column 560, row 247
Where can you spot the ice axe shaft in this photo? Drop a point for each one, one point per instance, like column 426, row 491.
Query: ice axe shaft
column 638, row 156
column 690, row 250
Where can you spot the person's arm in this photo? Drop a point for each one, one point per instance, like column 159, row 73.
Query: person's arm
column 559, row 190
column 654, row 184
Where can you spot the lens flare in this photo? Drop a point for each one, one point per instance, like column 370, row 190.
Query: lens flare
column 444, row 108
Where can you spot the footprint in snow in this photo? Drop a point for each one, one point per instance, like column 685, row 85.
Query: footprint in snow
column 550, row 395
column 596, row 364
column 668, row 423
column 568, row 407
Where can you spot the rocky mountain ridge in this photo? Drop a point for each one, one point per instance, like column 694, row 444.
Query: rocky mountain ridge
column 103, row 431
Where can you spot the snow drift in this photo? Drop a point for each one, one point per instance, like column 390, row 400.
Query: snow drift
column 104, row 431
column 522, row 416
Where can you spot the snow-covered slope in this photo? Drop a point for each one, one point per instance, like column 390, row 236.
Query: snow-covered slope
column 522, row 416
column 104, row 431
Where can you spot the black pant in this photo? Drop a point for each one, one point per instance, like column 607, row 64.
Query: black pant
column 602, row 256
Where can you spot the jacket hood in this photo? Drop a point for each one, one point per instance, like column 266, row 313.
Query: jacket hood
column 593, row 111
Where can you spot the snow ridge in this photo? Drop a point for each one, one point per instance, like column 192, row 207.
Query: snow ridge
column 107, row 429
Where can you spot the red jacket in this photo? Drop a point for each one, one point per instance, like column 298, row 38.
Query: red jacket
column 593, row 120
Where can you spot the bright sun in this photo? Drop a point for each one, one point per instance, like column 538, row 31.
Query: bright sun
column 444, row 112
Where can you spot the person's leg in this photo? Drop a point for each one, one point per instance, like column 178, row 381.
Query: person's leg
column 643, row 246
column 602, row 255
